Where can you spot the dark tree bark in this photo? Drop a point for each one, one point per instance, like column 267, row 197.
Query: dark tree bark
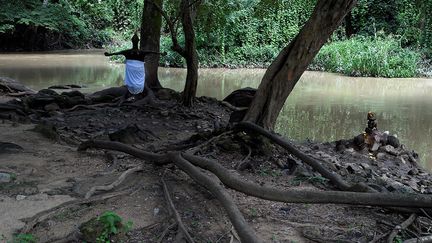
column 283, row 74
column 349, row 29
column 151, row 23
column 190, row 54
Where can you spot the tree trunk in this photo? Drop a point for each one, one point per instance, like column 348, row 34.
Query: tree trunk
column 349, row 29
column 151, row 23
column 191, row 55
column 285, row 71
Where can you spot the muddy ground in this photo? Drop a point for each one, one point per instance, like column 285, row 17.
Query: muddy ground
column 46, row 170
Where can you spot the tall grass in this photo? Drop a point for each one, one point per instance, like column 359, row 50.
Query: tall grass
column 363, row 56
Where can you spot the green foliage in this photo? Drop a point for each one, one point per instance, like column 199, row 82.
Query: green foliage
column 24, row 238
column 112, row 225
column 68, row 23
column 363, row 56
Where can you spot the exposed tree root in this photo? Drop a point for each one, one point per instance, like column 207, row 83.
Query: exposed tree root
column 245, row 232
column 297, row 196
column 315, row 164
column 198, row 147
column 155, row 158
column 231, row 107
column 175, row 213
column 39, row 217
column 401, row 227
column 111, row 186
column 244, row 162
column 186, row 162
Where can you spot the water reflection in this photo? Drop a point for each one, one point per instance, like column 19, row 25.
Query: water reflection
column 322, row 106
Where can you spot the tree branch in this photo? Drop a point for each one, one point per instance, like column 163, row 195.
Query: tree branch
column 172, row 27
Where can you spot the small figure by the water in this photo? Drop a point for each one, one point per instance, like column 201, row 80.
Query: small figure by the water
column 135, row 69
column 372, row 123
column 374, row 138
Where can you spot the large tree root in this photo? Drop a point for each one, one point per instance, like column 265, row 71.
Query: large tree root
column 335, row 178
column 187, row 161
column 245, row 232
column 270, row 193
column 297, row 196
column 175, row 213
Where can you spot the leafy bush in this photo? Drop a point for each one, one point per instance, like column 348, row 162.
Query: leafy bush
column 362, row 56
column 24, row 238
column 112, row 225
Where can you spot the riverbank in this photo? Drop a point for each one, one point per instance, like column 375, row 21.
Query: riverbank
column 47, row 168
column 318, row 96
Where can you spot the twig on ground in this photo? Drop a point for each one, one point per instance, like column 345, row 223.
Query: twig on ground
column 197, row 148
column 425, row 213
column 175, row 213
column 111, row 186
column 233, row 108
column 241, row 164
column 167, row 229
column 402, row 226
column 377, row 239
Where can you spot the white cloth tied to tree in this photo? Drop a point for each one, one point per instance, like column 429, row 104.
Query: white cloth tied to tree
column 135, row 76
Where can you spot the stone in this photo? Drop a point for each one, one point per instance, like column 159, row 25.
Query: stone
column 5, row 177
column 393, row 141
column 20, row 197
column 52, row 107
column 413, row 171
column 164, row 113
column 365, row 166
column 165, row 94
column 380, row 156
column 390, row 150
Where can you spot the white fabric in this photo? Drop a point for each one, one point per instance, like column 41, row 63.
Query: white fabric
column 135, row 76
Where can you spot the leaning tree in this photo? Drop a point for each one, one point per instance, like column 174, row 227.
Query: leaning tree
column 285, row 71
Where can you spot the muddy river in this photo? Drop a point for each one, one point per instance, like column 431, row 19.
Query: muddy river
column 322, row 107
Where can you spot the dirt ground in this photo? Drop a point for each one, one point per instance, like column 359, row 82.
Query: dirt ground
column 48, row 170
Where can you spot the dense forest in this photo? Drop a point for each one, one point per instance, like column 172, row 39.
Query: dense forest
column 390, row 38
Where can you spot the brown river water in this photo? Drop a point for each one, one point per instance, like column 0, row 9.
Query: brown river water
column 322, row 107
